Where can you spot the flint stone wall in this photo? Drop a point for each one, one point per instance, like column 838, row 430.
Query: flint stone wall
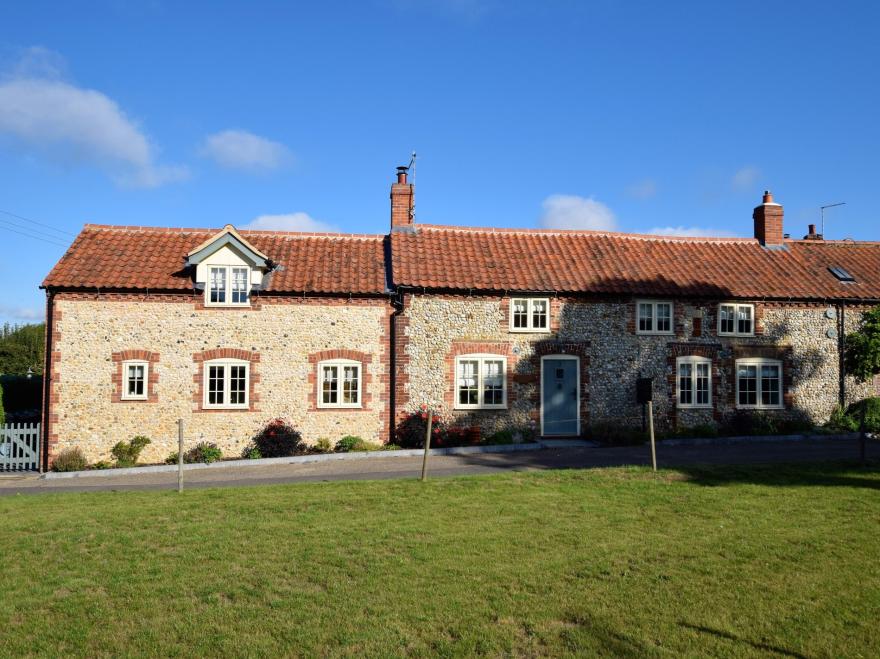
column 283, row 334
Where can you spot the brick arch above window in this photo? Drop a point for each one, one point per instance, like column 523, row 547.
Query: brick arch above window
column 363, row 358
column 199, row 358
column 118, row 380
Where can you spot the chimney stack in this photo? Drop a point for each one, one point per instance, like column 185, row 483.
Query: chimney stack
column 768, row 222
column 811, row 233
column 402, row 201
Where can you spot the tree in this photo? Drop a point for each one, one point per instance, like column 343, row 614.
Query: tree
column 862, row 356
column 22, row 348
column 2, row 411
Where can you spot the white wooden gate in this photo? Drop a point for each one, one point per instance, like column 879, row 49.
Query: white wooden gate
column 20, row 447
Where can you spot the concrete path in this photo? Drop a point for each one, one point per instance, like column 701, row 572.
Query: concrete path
column 459, row 465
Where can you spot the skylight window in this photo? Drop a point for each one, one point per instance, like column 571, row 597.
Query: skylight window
column 841, row 274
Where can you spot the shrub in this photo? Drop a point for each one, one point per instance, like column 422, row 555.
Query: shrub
column 799, row 425
column 2, row 411
column 70, row 459
column 610, row 434
column 352, row 443
column 127, row 453
column 277, row 440
column 871, row 409
column 744, row 422
column 390, row 447
column 499, row 437
column 251, row 453
column 323, row 445
column 102, row 464
column 698, row 431
column 206, row 452
column 410, row 432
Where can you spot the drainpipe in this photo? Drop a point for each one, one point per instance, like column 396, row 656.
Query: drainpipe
column 397, row 303
column 841, row 353
column 47, row 380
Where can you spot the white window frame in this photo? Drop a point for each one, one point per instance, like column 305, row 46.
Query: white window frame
column 759, row 362
column 480, row 358
column 693, row 360
column 654, row 304
column 228, row 269
column 340, row 364
column 227, row 372
column 530, row 306
column 736, row 307
column 124, row 395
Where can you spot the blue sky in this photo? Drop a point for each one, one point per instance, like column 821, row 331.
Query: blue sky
column 637, row 116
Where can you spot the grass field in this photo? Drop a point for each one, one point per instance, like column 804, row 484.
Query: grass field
column 721, row 561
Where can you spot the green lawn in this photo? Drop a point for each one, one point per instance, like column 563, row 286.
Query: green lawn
column 743, row 561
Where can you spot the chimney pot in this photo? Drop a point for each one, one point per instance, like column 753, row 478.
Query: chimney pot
column 402, row 201
column 768, row 222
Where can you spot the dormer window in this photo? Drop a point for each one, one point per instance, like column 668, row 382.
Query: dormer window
column 228, row 285
column 228, row 269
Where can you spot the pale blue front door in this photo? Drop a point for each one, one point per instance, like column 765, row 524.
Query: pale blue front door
column 559, row 389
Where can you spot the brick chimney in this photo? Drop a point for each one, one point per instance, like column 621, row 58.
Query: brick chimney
column 402, row 201
column 768, row 222
column 811, row 233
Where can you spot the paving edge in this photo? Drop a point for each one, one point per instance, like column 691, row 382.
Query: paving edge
column 752, row 439
column 300, row 459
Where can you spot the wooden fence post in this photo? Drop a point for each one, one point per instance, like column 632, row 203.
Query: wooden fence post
column 651, row 432
column 180, row 455
column 427, row 446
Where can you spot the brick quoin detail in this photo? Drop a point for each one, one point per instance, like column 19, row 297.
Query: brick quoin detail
column 50, row 418
column 580, row 349
column 200, row 358
column 118, row 377
column 459, row 348
column 676, row 350
column 363, row 358
column 784, row 354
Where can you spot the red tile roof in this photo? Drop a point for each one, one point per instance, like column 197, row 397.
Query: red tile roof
column 117, row 257
column 462, row 258
column 598, row 262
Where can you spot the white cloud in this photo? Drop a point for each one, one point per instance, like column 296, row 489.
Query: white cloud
column 691, row 231
column 22, row 314
column 73, row 124
column 290, row 222
column 745, row 178
column 239, row 149
column 574, row 212
column 642, row 189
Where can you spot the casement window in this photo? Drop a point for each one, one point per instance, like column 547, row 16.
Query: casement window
column 736, row 319
column 694, row 381
column 340, row 383
column 227, row 384
column 529, row 314
column 228, row 285
column 759, row 383
column 653, row 317
column 135, row 380
column 480, row 382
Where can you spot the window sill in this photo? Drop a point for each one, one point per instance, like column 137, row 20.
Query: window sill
column 143, row 399
column 520, row 330
column 492, row 408
column 760, row 407
column 640, row 333
column 695, row 407
column 340, row 407
column 735, row 335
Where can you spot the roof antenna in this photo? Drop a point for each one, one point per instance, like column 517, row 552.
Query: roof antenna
column 822, row 213
column 412, row 166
